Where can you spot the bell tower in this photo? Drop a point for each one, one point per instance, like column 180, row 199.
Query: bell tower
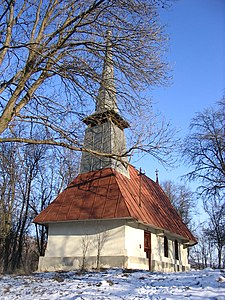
column 105, row 131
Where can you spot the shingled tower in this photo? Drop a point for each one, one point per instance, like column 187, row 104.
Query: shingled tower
column 105, row 131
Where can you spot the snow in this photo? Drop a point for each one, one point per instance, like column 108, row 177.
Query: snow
column 115, row 284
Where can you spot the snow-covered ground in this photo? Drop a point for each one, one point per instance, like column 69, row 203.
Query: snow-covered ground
column 115, row 284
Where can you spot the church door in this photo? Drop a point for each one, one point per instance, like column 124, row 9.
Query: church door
column 147, row 243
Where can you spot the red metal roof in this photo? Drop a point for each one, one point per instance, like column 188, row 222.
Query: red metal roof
column 107, row 194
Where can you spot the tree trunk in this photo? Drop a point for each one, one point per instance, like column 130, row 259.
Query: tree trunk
column 220, row 257
column 6, row 253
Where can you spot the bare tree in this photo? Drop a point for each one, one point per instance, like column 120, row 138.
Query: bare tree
column 182, row 199
column 29, row 179
column 215, row 231
column 9, row 175
column 55, row 173
column 51, row 57
column 204, row 148
column 99, row 242
column 15, row 200
column 203, row 254
column 223, row 258
column 85, row 243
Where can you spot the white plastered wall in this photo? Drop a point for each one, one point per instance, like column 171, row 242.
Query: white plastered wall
column 168, row 264
column 134, row 245
column 66, row 239
column 123, row 246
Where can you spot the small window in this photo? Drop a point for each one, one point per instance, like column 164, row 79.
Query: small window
column 176, row 250
column 165, row 246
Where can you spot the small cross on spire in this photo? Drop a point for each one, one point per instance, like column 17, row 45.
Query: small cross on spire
column 157, row 176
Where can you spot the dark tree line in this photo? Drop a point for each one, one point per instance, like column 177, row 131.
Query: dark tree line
column 30, row 177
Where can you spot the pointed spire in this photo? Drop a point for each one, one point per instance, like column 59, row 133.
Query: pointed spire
column 105, row 131
column 106, row 99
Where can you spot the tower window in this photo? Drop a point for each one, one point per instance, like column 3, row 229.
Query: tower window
column 165, row 246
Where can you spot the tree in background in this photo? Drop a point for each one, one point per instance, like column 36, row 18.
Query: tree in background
column 29, row 180
column 182, row 199
column 215, row 230
column 9, row 176
column 210, row 250
column 51, row 58
column 203, row 254
column 204, row 149
column 58, row 170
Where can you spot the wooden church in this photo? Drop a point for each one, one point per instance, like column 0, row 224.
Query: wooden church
column 112, row 215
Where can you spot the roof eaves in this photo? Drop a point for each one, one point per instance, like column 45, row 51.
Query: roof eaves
column 85, row 220
column 163, row 232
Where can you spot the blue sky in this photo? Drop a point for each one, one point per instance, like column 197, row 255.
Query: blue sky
column 196, row 30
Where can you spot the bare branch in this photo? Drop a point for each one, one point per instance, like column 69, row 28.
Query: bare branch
column 52, row 53
column 205, row 149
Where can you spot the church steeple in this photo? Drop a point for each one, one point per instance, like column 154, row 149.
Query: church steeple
column 106, row 99
column 106, row 103
column 105, row 131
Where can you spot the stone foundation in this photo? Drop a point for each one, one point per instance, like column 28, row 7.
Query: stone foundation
column 124, row 262
column 161, row 266
column 75, row 263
